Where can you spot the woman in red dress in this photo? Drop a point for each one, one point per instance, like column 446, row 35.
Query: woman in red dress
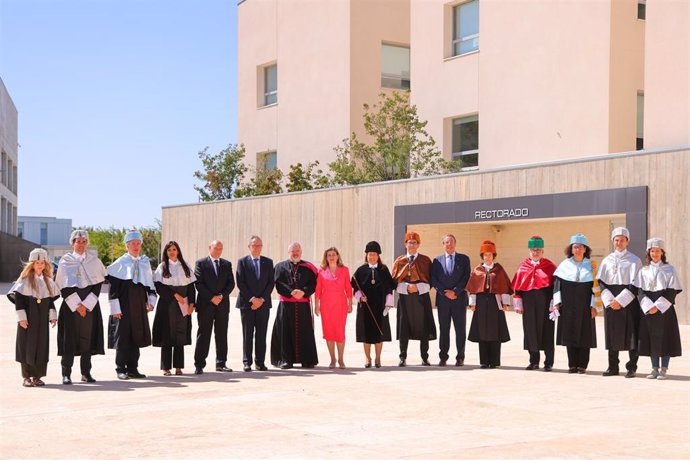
column 333, row 302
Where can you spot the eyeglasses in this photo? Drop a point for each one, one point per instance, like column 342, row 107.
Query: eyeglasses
column 412, row 242
column 578, row 247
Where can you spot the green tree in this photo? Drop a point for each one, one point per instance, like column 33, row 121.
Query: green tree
column 110, row 243
column 306, row 177
column 264, row 182
column 400, row 146
column 222, row 173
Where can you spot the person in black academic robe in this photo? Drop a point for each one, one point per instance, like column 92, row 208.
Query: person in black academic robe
column 576, row 302
column 373, row 286
column 172, row 325
column 80, row 277
column 489, row 289
column 293, row 338
column 33, row 296
column 616, row 275
column 131, row 297
column 658, row 285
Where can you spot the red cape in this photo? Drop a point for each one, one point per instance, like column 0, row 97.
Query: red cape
column 529, row 277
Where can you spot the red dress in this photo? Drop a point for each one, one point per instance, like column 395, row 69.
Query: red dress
column 333, row 294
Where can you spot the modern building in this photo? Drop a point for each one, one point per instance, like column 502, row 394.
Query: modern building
column 548, row 80
column 45, row 230
column 8, row 162
column 571, row 117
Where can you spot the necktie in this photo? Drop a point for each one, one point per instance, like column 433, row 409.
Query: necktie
column 256, row 268
column 449, row 265
column 216, row 265
column 411, row 259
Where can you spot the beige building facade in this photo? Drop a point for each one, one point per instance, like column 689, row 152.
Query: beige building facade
column 499, row 82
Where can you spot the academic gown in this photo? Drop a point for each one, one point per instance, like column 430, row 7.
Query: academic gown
column 293, row 340
column 533, row 286
column 616, row 275
column 415, row 318
column 573, row 289
column 33, row 343
column 170, row 327
column 659, row 332
column 372, row 326
column 80, row 280
column 489, row 320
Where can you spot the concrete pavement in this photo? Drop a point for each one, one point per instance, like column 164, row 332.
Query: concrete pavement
column 415, row 412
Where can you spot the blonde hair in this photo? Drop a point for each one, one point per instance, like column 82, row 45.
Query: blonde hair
column 28, row 273
column 324, row 261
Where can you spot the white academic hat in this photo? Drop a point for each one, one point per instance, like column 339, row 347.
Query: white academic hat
column 620, row 231
column 38, row 254
column 79, row 233
column 655, row 243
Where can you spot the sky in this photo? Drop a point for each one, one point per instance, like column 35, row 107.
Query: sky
column 115, row 99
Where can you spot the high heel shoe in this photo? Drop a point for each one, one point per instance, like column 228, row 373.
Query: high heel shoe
column 377, row 364
column 367, row 365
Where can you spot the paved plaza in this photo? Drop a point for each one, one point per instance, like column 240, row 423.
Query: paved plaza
column 416, row 412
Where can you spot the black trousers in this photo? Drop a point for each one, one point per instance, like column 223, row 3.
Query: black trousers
column 127, row 359
column 458, row 315
column 548, row 357
column 254, row 327
column 631, row 365
column 68, row 361
column 210, row 317
column 423, row 348
column 172, row 357
column 578, row 357
column 490, row 353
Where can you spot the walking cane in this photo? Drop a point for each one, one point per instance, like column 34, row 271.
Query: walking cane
column 367, row 304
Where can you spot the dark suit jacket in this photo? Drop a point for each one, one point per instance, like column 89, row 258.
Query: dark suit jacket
column 208, row 284
column 249, row 286
column 456, row 281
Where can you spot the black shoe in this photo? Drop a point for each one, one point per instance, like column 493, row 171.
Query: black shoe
column 122, row 376
column 609, row 372
column 136, row 375
column 492, row 366
column 367, row 365
column 484, row 366
column 402, row 363
column 66, row 380
column 548, row 368
column 247, row 368
column 86, row 378
column 532, row 367
column 198, row 370
column 260, row 367
column 309, row 366
column 223, row 368
column 581, row 370
column 459, row 362
column 286, row 366
column 630, row 374
column 442, row 363
column 377, row 365
column 572, row 370
column 425, row 362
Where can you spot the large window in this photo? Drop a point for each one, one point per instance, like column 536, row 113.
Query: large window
column 267, row 161
column 465, row 141
column 395, row 67
column 270, row 84
column 639, row 144
column 44, row 233
column 466, row 27
column 641, row 9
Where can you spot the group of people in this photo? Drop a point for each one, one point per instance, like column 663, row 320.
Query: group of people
column 638, row 302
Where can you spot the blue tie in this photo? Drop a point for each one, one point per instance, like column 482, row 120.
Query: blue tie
column 216, row 266
column 449, row 265
column 256, row 268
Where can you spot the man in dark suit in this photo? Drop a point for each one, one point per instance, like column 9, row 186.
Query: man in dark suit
column 449, row 275
column 255, row 283
column 214, row 283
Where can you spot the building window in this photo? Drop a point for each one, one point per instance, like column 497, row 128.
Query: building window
column 270, row 84
column 395, row 66
column 639, row 145
column 642, row 9
column 3, row 168
column 466, row 28
column 44, row 234
column 465, row 141
column 267, row 161
column 20, row 229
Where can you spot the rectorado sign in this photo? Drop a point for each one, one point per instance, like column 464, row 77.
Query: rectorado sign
column 489, row 214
